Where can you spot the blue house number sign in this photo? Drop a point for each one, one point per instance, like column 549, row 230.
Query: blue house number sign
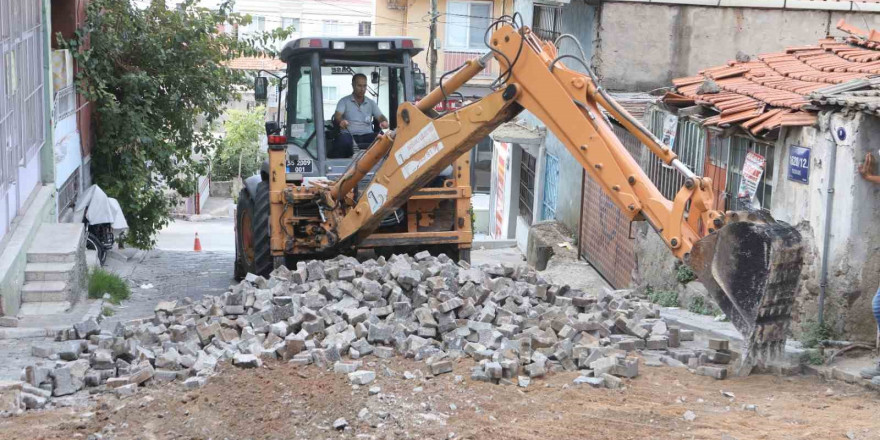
column 799, row 164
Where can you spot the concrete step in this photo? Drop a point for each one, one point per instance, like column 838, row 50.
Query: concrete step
column 43, row 309
column 56, row 243
column 49, row 271
column 44, row 291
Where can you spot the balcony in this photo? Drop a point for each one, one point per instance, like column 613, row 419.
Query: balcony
column 453, row 59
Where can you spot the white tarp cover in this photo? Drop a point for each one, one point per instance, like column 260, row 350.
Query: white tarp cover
column 101, row 209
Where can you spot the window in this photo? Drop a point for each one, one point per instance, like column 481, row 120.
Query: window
column 329, row 93
column 481, row 166
column 11, row 74
column 302, row 125
column 287, row 22
column 466, row 23
column 365, row 28
column 687, row 137
column 547, row 21
column 257, row 24
column 330, row 27
column 527, row 167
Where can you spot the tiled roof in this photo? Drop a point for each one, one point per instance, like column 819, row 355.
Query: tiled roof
column 779, row 89
column 256, row 63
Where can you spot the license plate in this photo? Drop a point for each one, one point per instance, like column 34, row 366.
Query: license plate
column 299, row 166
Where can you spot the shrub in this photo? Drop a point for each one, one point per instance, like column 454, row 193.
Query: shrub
column 102, row 281
column 813, row 333
column 684, row 274
column 663, row 298
column 699, row 306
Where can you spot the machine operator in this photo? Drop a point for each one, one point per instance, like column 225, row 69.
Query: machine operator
column 354, row 116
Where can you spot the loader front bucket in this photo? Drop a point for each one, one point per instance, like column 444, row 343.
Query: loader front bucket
column 751, row 267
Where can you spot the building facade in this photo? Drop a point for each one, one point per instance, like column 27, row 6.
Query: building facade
column 785, row 132
column 27, row 192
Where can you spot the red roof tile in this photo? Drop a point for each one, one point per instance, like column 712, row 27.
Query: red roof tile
column 772, row 90
column 256, row 63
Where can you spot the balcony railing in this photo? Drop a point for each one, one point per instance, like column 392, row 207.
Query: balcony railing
column 65, row 103
column 453, row 59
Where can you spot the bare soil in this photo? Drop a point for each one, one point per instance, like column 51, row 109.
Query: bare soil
column 281, row 401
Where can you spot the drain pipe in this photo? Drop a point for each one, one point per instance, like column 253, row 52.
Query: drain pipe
column 826, row 234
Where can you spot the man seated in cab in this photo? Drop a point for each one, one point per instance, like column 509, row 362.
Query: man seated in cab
column 354, row 116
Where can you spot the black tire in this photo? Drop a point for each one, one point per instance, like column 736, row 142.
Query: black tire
column 240, row 270
column 253, row 214
column 92, row 242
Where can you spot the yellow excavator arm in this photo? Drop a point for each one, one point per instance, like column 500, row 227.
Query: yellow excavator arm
column 568, row 103
column 749, row 263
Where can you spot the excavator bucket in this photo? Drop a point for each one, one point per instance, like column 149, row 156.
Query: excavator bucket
column 751, row 267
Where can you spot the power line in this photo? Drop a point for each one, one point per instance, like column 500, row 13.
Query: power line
column 358, row 11
column 471, row 16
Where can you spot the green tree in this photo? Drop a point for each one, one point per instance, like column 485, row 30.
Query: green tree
column 157, row 79
column 239, row 153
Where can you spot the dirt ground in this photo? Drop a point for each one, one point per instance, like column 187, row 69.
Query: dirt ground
column 281, row 401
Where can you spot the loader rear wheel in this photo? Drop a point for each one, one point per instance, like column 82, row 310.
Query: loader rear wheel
column 253, row 250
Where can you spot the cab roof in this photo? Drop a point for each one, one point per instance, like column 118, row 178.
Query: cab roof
column 355, row 47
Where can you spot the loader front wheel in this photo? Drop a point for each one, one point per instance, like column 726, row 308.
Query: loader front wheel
column 253, row 252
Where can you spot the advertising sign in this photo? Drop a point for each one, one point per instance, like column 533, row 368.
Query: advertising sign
column 752, row 170
column 502, row 150
column 670, row 126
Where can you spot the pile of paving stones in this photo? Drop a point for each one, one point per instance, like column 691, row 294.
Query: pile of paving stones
column 334, row 313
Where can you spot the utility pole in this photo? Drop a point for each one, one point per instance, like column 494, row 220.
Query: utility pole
column 432, row 47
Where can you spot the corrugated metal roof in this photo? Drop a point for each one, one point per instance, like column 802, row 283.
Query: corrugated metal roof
column 780, row 89
column 635, row 103
column 862, row 95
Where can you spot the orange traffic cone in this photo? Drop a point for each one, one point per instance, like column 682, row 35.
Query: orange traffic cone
column 197, row 246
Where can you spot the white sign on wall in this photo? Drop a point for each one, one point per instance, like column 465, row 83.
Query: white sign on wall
column 670, row 127
column 752, row 170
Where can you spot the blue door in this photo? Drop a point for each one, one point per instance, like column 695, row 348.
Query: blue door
column 551, row 188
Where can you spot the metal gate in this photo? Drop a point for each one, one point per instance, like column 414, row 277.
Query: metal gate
column 739, row 148
column 603, row 239
column 551, row 187
column 604, row 236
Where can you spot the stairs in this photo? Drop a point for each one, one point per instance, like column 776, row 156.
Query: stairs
column 55, row 272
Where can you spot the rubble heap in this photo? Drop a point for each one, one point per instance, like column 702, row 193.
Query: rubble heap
column 515, row 324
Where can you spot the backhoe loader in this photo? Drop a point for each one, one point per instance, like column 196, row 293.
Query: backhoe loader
column 749, row 263
column 318, row 73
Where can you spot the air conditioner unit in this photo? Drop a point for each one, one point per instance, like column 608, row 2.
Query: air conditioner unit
column 62, row 69
column 398, row 5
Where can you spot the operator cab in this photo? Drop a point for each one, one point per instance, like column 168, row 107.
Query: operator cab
column 319, row 74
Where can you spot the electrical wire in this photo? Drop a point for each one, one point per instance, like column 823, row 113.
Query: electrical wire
column 508, row 73
column 357, row 11
column 442, row 77
column 599, row 89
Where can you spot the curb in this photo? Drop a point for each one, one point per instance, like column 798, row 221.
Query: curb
column 49, row 332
